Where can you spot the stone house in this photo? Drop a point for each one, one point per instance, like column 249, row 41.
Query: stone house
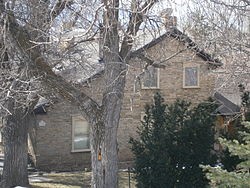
column 171, row 64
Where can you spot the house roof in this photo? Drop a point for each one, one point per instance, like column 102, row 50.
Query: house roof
column 178, row 35
column 226, row 106
column 189, row 43
column 41, row 105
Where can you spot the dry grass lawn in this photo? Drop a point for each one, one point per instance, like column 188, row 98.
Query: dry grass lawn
column 78, row 180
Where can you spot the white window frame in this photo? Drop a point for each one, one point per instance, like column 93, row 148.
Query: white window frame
column 77, row 118
column 158, row 80
column 184, row 75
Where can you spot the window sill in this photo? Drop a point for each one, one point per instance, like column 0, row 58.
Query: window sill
column 148, row 88
column 191, row 87
column 80, row 151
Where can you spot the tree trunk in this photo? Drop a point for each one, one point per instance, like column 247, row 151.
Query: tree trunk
column 115, row 74
column 96, row 141
column 104, row 150
column 15, row 134
column 112, row 104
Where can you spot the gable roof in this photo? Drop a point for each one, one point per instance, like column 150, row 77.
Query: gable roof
column 226, row 106
column 189, row 43
column 178, row 35
column 78, row 75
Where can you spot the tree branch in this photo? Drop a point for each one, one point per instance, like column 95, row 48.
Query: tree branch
column 235, row 6
column 59, row 7
column 135, row 21
column 38, row 66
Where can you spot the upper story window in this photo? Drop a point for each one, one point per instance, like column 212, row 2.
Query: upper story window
column 80, row 134
column 191, row 76
column 150, row 79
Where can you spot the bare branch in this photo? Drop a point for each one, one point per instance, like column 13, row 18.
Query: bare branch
column 59, row 7
column 39, row 66
column 135, row 21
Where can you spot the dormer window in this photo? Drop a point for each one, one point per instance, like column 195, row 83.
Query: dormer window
column 191, row 76
column 150, row 78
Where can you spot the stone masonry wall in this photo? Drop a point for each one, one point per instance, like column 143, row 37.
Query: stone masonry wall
column 170, row 86
column 53, row 141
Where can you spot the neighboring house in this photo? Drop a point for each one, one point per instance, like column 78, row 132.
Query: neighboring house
column 59, row 139
column 227, row 118
column 227, row 113
column 226, row 107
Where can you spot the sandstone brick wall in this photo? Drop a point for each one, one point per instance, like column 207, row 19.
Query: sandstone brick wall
column 170, row 86
column 53, row 141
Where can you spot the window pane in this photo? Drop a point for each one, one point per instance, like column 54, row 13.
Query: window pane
column 81, row 126
column 150, row 77
column 81, row 142
column 191, row 76
column 80, row 135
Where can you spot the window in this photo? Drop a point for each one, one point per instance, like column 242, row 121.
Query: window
column 150, row 78
column 80, row 134
column 191, row 76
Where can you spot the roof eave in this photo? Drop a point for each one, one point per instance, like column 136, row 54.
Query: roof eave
column 178, row 35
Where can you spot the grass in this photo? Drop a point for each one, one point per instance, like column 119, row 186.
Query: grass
column 78, row 180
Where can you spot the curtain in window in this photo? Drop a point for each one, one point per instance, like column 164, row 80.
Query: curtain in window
column 191, row 76
column 150, row 78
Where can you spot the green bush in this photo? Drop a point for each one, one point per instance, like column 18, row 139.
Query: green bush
column 173, row 141
column 240, row 176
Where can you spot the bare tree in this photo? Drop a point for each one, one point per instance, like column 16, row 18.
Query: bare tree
column 18, row 95
column 223, row 28
column 30, row 26
column 17, row 99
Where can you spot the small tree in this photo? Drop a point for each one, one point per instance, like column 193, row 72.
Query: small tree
column 152, row 151
column 173, row 141
column 240, row 177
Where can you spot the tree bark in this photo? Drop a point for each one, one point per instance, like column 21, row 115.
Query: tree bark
column 15, row 135
column 115, row 73
column 96, row 140
column 112, row 104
